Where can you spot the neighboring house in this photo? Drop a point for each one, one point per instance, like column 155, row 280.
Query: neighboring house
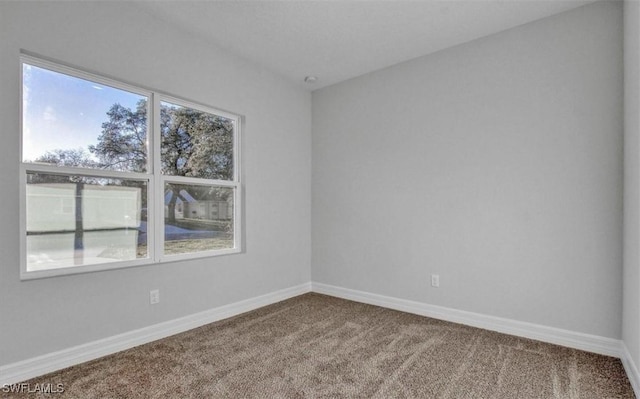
column 188, row 207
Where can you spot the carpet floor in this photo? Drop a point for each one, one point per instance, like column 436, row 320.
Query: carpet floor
column 316, row 346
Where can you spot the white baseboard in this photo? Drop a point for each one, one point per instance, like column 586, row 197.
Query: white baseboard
column 30, row 368
column 571, row 339
column 631, row 368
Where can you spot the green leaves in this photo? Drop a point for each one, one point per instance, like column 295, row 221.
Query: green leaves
column 196, row 143
column 122, row 145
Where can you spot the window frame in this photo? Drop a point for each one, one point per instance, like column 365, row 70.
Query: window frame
column 153, row 176
column 162, row 179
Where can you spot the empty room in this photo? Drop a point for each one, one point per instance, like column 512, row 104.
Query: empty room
column 320, row 199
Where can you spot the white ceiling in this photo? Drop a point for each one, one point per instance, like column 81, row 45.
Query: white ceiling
column 338, row 40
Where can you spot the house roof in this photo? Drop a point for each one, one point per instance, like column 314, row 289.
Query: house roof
column 183, row 196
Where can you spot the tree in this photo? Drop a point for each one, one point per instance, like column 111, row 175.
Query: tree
column 122, row 145
column 196, row 144
column 193, row 144
column 70, row 157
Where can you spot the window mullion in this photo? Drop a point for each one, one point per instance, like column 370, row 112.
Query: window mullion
column 111, row 193
column 158, row 193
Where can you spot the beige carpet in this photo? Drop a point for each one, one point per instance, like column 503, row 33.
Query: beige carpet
column 315, row 346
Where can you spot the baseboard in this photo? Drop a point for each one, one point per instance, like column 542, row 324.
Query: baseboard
column 30, row 368
column 571, row 339
column 631, row 368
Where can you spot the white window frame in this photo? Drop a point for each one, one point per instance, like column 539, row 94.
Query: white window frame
column 161, row 179
column 153, row 177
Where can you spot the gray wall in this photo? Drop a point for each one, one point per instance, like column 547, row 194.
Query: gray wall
column 117, row 39
column 496, row 164
column 631, row 275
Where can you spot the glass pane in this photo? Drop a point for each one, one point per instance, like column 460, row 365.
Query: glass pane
column 197, row 218
column 68, row 121
column 77, row 220
column 196, row 143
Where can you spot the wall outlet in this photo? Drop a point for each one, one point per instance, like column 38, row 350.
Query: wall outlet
column 435, row 280
column 154, row 296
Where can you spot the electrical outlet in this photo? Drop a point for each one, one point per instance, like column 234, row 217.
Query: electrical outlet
column 435, row 280
column 154, row 296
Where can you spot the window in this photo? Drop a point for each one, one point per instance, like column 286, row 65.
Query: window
column 114, row 175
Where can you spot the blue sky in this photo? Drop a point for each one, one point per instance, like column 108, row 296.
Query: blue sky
column 64, row 112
